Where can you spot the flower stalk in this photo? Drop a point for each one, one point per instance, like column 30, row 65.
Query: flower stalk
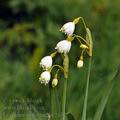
column 54, row 104
column 86, row 91
column 66, row 70
column 64, row 99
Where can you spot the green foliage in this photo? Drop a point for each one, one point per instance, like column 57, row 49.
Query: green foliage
column 106, row 95
column 30, row 29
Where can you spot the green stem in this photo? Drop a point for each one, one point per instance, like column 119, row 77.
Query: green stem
column 83, row 22
column 60, row 67
column 64, row 99
column 77, row 36
column 66, row 70
column 53, row 103
column 86, row 92
column 57, row 101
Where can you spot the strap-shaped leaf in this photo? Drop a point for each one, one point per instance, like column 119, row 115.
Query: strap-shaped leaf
column 105, row 97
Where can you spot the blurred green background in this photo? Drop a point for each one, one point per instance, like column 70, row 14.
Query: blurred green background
column 29, row 30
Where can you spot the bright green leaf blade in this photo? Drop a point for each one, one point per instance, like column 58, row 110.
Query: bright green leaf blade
column 105, row 97
column 86, row 91
column 55, row 110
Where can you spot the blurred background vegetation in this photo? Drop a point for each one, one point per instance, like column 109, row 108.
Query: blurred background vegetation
column 29, row 30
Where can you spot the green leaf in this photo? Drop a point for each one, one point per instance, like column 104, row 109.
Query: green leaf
column 55, row 110
column 106, row 95
column 34, row 61
column 86, row 91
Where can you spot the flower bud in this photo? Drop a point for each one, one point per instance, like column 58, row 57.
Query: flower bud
column 46, row 62
column 63, row 46
column 84, row 46
column 54, row 82
column 76, row 20
column 45, row 77
column 80, row 63
column 68, row 28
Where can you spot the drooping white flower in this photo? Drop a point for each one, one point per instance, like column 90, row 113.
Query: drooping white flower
column 63, row 46
column 46, row 62
column 45, row 77
column 68, row 28
column 80, row 63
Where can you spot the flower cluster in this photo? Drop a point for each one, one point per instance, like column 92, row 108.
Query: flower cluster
column 63, row 47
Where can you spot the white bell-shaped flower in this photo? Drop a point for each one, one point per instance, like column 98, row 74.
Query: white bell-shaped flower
column 45, row 77
column 46, row 62
column 68, row 28
column 63, row 46
column 80, row 63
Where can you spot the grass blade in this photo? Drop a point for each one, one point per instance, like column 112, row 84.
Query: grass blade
column 105, row 97
column 86, row 92
column 55, row 105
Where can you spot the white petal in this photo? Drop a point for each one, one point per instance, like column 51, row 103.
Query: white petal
column 69, row 28
column 63, row 46
column 46, row 62
column 45, row 77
